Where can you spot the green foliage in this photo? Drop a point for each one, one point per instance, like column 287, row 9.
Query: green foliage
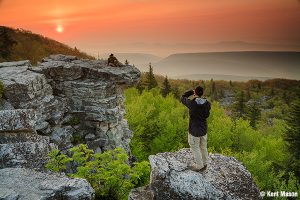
column 1, row 89
column 213, row 94
column 109, row 173
column 253, row 113
column 160, row 124
column 58, row 162
column 239, row 106
column 150, row 81
column 73, row 121
column 292, row 136
column 166, row 87
column 77, row 138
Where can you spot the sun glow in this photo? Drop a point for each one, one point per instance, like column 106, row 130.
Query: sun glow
column 59, row 29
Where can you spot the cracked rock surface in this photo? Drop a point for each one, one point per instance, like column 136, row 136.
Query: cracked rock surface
column 28, row 184
column 224, row 178
column 65, row 100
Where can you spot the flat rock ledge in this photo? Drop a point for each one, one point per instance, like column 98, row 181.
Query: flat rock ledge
column 28, row 184
column 171, row 178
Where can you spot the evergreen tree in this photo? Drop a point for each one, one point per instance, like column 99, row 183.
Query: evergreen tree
column 213, row 91
column 151, row 81
column 230, row 83
column 175, row 91
column 286, row 97
column 166, row 87
column 248, row 94
column 292, row 136
column 126, row 62
column 259, row 85
column 253, row 113
column 239, row 106
column 203, row 84
column 272, row 92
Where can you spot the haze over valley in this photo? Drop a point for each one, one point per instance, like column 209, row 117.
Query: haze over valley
column 239, row 65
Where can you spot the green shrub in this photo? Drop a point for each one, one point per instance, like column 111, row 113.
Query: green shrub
column 109, row 173
column 73, row 121
column 77, row 139
column 160, row 124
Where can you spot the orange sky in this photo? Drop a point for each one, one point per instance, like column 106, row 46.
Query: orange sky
column 135, row 25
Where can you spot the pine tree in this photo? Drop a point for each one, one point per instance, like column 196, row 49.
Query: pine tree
column 126, row 62
column 248, row 94
column 272, row 92
column 151, row 81
column 292, row 136
column 213, row 94
column 166, row 87
column 203, row 84
column 253, row 114
column 286, row 97
column 239, row 106
column 175, row 91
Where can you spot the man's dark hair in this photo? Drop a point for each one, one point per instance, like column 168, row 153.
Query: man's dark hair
column 199, row 91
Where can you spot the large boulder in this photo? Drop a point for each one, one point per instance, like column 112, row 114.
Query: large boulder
column 28, row 184
column 224, row 178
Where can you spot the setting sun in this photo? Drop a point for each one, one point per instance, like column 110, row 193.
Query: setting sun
column 59, row 29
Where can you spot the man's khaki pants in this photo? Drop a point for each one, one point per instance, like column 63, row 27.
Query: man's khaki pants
column 199, row 149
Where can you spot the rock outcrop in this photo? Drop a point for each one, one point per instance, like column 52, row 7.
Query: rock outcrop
column 24, row 149
column 171, row 179
column 28, row 184
column 57, row 104
column 65, row 101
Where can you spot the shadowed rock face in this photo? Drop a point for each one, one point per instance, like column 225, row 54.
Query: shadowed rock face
column 67, row 100
column 28, row 184
column 224, row 178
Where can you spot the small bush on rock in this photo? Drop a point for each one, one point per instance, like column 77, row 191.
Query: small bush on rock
column 109, row 172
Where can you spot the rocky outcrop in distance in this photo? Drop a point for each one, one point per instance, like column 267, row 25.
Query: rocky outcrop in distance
column 171, row 179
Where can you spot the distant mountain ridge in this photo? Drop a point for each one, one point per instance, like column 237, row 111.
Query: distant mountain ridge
column 18, row 44
column 225, row 77
column 243, row 63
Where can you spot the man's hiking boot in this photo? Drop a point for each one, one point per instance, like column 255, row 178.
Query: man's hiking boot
column 197, row 169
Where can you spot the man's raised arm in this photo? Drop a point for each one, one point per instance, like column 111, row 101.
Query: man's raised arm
column 184, row 98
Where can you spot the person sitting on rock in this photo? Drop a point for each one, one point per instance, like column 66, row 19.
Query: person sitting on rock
column 199, row 110
column 113, row 61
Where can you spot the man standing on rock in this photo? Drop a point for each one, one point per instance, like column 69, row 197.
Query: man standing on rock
column 199, row 109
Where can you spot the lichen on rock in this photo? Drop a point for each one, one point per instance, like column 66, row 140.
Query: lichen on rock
column 171, row 179
column 28, row 184
column 63, row 88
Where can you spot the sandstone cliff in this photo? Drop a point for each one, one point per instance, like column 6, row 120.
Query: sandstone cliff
column 171, row 179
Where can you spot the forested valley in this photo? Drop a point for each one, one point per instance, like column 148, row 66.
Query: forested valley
column 257, row 122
